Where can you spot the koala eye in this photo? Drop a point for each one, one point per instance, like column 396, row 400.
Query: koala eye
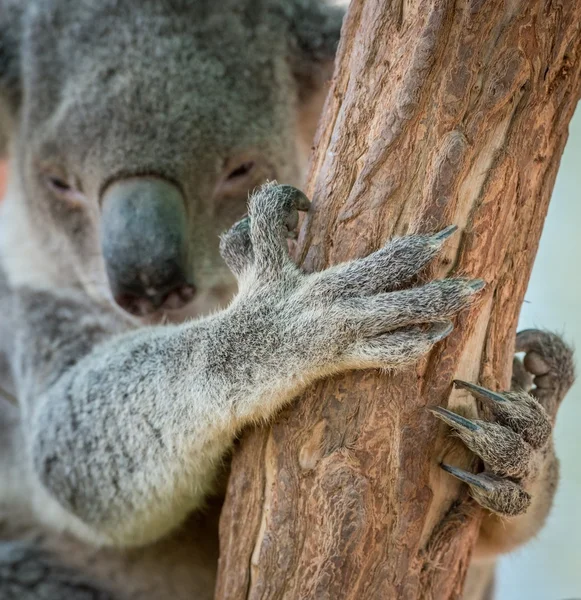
column 64, row 190
column 241, row 175
column 58, row 185
column 241, row 170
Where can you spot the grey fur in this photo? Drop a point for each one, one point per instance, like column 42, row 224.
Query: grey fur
column 122, row 424
column 120, row 88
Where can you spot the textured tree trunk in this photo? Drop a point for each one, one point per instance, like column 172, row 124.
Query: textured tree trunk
column 440, row 112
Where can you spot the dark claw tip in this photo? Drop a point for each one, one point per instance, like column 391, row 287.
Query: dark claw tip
column 480, row 392
column 467, row 477
column 442, row 331
column 301, row 202
column 477, row 284
column 453, row 419
column 445, row 233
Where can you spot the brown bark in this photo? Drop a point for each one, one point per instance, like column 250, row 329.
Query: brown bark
column 440, row 112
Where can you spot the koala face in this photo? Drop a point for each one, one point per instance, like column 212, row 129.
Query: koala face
column 140, row 127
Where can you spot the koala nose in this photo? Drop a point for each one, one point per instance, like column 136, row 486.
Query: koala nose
column 144, row 240
column 142, row 305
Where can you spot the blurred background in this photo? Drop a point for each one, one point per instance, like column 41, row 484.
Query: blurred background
column 549, row 567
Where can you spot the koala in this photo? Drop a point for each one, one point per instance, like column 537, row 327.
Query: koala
column 137, row 339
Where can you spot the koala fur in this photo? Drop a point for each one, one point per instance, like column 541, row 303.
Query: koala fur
column 123, row 422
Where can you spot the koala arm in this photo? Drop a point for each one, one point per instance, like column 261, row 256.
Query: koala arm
column 123, row 431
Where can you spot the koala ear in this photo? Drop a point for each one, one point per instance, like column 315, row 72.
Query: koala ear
column 315, row 28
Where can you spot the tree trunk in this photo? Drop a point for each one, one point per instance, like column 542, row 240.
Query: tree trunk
column 440, row 112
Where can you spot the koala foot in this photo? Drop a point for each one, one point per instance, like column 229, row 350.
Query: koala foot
column 515, row 443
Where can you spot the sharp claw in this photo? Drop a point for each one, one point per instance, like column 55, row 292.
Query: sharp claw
column 301, row 202
column 477, row 284
column 445, row 233
column 453, row 419
column 470, row 478
column 480, row 392
column 439, row 332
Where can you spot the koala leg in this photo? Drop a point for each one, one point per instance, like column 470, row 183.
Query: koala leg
column 516, row 446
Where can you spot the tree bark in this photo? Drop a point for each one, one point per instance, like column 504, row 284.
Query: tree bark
column 440, row 112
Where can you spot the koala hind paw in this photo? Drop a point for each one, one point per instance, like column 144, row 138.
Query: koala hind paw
column 510, row 446
column 550, row 366
column 514, row 444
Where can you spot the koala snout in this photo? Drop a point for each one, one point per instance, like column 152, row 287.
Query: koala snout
column 144, row 240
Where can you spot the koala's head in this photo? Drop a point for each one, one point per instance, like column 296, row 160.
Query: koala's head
column 137, row 129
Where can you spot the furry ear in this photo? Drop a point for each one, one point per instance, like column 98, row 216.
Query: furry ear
column 314, row 28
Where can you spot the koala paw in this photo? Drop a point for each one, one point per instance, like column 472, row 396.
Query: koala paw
column 353, row 315
column 271, row 214
column 516, row 442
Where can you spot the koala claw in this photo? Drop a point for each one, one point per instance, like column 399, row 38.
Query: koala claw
column 445, row 233
column 503, row 450
column 514, row 444
column 511, row 447
column 518, row 410
column 479, row 392
column 294, row 198
column 497, row 494
column 454, row 420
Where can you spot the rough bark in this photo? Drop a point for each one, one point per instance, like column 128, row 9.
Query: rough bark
column 440, row 112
